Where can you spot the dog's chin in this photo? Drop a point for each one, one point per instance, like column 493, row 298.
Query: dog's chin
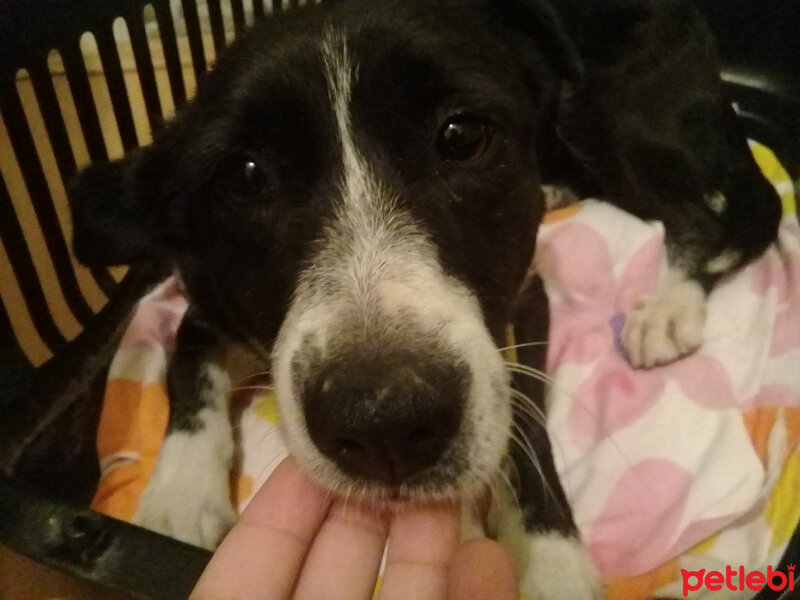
column 437, row 484
column 395, row 497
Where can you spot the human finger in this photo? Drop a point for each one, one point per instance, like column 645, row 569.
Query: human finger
column 262, row 555
column 422, row 542
column 345, row 557
column 482, row 570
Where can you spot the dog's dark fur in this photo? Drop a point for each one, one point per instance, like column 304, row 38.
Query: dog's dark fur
column 320, row 218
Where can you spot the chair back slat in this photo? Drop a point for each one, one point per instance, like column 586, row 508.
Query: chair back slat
column 57, row 122
column 118, row 92
column 258, row 9
column 217, row 25
column 59, row 141
column 54, row 123
column 73, row 92
column 195, row 35
column 146, row 72
column 24, row 271
column 42, row 201
column 81, row 90
column 239, row 23
column 172, row 57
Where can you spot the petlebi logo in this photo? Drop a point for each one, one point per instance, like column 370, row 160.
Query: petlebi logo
column 738, row 579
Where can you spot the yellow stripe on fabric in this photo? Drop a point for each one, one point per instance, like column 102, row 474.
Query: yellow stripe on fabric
column 704, row 547
column 783, row 510
column 774, row 171
column 266, row 407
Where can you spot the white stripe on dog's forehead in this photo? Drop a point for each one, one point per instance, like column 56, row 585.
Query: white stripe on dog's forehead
column 341, row 72
column 368, row 233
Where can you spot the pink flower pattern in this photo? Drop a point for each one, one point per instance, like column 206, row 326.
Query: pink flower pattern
column 586, row 320
column 593, row 275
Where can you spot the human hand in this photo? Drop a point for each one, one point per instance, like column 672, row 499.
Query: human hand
column 295, row 541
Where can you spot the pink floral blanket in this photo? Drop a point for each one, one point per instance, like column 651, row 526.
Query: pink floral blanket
column 694, row 465
column 695, row 462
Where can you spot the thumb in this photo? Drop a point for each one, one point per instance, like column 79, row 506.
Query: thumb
column 482, row 570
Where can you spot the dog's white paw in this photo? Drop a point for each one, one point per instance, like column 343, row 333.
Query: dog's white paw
column 551, row 565
column 556, row 196
column 189, row 495
column 185, row 515
column 667, row 325
column 558, row 567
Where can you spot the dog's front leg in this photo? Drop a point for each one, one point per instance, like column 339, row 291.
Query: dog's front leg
column 189, row 496
column 537, row 526
column 712, row 234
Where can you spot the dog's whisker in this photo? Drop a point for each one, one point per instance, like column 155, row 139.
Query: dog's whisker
column 516, row 367
column 524, row 408
column 254, row 376
column 525, row 345
column 531, row 375
column 519, row 398
column 519, row 437
column 244, row 388
column 606, row 435
column 504, row 478
column 202, row 346
column 525, row 417
column 526, row 405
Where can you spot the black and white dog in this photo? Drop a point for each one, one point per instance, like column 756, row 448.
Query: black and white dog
column 353, row 198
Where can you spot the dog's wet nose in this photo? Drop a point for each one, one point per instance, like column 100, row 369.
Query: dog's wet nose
column 385, row 424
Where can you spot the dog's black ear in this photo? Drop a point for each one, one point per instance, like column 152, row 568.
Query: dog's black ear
column 537, row 22
column 113, row 216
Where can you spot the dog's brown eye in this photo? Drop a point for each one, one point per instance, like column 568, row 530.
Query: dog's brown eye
column 244, row 178
column 464, row 139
